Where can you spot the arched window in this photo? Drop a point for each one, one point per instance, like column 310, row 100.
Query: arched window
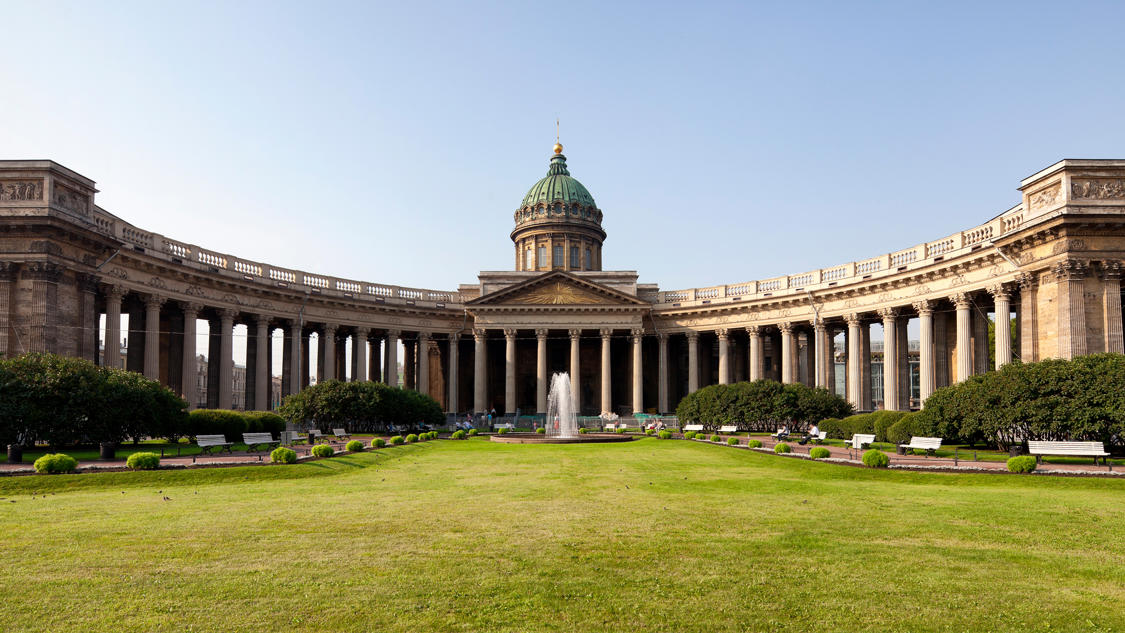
column 558, row 261
column 541, row 261
column 574, row 257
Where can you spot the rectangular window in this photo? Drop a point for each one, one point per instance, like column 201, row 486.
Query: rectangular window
column 558, row 261
column 542, row 260
column 574, row 257
column 589, row 260
column 527, row 260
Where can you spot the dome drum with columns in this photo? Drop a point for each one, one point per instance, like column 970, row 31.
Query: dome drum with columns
column 1045, row 275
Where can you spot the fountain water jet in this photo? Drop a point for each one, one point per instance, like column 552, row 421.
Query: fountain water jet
column 562, row 421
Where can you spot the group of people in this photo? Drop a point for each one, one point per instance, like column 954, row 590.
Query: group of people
column 811, row 434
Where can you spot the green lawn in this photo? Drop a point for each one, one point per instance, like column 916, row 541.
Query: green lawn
column 477, row 536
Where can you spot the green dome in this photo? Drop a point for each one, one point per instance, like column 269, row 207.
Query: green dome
column 558, row 186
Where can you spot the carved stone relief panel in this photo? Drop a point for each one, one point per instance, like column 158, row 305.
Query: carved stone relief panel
column 21, row 190
column 1097, row 188
column 1045, row 197
column 71, row 200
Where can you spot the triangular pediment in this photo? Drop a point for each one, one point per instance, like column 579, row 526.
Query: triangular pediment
column 557, row 288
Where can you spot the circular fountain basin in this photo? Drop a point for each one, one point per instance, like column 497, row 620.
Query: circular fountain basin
column 537, row 438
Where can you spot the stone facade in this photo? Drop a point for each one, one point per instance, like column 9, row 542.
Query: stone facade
column 1051, row 265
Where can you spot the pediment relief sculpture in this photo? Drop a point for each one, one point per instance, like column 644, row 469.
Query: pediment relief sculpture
column 557, row 293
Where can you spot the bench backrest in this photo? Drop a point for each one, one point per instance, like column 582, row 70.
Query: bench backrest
column 256, row 438
column 315, row 433
column 693, row 427
column 505, row 426
column 1065, row 448
column 339, row 432
column 925, row 442
column 822, row 435
column 728, row 429
column 860, row 439
column 210, row 440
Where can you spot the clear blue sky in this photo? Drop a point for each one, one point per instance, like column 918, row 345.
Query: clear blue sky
column 724, row 142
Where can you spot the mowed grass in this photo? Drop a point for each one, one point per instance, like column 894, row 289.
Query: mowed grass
column 477, row 536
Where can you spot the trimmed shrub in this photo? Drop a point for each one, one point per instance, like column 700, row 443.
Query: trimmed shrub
column 908, row 426
column 819, row 452
column 502, row 431
column 859, row 423
column 55, row 463
column 433, row 435
column 1022, row 464
column 354, row 446
column 782, row 448
column 650, row 431
column 458, row 435
column 397, row 440
column 583, row 430
column 883, row 421
column 762, row 405
column 143, row 461
column 410, row 439
column 473, row 431
column 231, row 424
column 361, row 406
column 754, row 443
column 620, row 429
column 263, row 422
column 716, row 438
column 664, row 435
column 378, row 443
column 733, row 441
column 834, row 427
column 689, row 435
column 541, row 430
column 323, row 450
column 282, row 455
column 876, row 459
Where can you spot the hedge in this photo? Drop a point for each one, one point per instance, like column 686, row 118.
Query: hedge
column 360, row 406
column 762, row 405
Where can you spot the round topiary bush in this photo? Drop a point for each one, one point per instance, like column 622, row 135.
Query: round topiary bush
column 502, row 431
column 397, row 440
column 378, row 443
column 458, row 435
column 472, row 431
column 650, row 431
column 620, row 429
column 876, row 459
column 541, row 430
column 354, row 446
column 433, row 435
column 55, row 463
column 410, row 439
column 733, row 441
column 323, row 450
column 819, row 452
column 689, row 435
column 754, row 443
column 664, row 435
column 1022, row 464
column 282, row 455
column 782, row 448
column 583, row 430
column 716, row 438
column 143, row 461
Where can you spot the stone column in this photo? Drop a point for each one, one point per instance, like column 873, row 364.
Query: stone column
column 422, row 378
column 942, row 370
column 693, row 362
column 152, row 336
column 410, row 364
column 1029, row 317
column 724, row 355
column 190, row 372
column 43, row 316
column 263, row 371
column 509, row 371
column 662, row 375
column 226, row 358
column 756, row 361
column 787, row 373
column 294, row 358
column 480, row 370
column 979, row 321
column 1111, row 307
column 607, row 384
column 87, row 318
column 1003, row 329
column 1070, row 277
column 823, row 354
column 328, row 352
column 392, row 358
column 359, row 354
column 112, row 355
column 541, row 371
column 855, row 392
column 865, row 366
column 375, row 359
column 902, row 349
column 453, row 379
column 638, row 372
column 890, row 360
column 925, row 311
column 575, row 370
column 8, row 272
column 964, row 335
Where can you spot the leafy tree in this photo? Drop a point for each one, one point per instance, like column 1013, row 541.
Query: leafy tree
column 759, row 405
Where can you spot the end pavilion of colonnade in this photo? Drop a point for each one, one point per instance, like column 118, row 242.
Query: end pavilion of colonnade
column 1051, row 265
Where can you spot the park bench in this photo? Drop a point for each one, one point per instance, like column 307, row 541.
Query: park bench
column 693, row 427
column 780, row 434
column 729, row 428
column 820, row 437
column 506, row 425
column 341, row 434
column 928, row 444
column 291, row 437
column 859, row 440
column 208, row 443
column 259, row 439
column 1069, row 449
column 316, row 436
column 613, row 426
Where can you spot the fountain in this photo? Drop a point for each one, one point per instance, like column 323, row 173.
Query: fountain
column 561, row 422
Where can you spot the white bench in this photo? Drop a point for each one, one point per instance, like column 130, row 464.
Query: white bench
column 928, row 444
column 859, row 440
column 1068, row 449
column 258, row 439
column 341, row 434
column 820, row 437
column 729, row 428
column 508, row 425
column 780, row 432
column 208, row 443
column 693, row 427
column 613, row 426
